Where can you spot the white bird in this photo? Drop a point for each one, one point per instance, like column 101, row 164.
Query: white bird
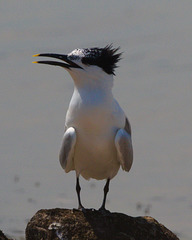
column 97, row 137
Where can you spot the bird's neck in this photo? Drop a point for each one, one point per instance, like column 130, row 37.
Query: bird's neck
column 93, row 82
column 93, row 92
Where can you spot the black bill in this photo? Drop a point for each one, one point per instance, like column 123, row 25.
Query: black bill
column 66, row 64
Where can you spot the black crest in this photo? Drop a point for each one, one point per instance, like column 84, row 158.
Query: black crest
column 106, row 58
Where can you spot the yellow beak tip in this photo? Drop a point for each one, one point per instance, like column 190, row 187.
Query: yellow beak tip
column 36, row 55
column 35, row 62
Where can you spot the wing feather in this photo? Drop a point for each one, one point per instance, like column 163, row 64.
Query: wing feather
column 67, row 149
column 124, row 147
column 127, row 126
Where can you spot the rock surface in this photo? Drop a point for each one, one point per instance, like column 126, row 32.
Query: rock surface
column 2, row 236
column 65, row 224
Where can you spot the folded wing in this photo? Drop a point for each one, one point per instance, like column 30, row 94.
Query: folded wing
column 67, row 150
column 124, row 147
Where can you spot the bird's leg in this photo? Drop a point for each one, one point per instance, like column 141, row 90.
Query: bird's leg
column 106, row 190
column 78, row 189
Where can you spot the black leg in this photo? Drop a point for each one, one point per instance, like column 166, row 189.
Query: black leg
column 78, row 189
column 106, row 190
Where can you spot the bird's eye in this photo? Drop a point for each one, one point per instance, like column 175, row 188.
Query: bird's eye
column 84, row 60
column 88, row 61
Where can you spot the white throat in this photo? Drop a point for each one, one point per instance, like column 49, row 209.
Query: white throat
column 93, row 80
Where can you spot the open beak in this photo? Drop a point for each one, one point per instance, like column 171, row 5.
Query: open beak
column 65, row 64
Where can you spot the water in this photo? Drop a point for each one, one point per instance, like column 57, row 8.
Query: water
column 153, row 85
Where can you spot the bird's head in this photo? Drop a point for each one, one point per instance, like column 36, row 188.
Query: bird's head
column 86, row 63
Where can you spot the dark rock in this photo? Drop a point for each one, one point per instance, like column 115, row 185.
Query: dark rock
column 2, row 236
column 65, row 224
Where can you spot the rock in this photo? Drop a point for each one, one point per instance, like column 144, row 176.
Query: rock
column 65, row 224
column 2, row 236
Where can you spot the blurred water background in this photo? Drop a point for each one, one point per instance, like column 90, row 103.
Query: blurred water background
column 153, row 85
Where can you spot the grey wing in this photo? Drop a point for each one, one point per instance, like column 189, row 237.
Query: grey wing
column 124, row 147
column 67, row 150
